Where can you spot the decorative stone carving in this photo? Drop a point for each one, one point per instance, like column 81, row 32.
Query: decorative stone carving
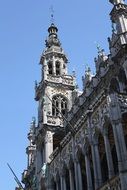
column 49, row 137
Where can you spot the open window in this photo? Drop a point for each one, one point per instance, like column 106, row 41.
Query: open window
column 50, row 69
column 57, row 68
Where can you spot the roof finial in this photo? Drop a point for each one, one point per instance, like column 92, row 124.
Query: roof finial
column 100, row 50
column 52, row 14
column 98, row 46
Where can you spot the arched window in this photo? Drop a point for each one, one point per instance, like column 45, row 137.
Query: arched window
column 122, row 81
column 50, row 68
column 57, row 68
column 114, row 86
column 59, row 105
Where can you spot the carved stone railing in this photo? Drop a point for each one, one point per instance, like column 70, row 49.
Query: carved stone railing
column 58, row 121
column 112, row 184
column 54, row 154
column 67, row 80
column 123, row 102
column 54, row 49
column 60, row 156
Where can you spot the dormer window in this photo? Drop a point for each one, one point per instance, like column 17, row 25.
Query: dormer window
column 59, row 105
column 50, row 69
column 57, row 68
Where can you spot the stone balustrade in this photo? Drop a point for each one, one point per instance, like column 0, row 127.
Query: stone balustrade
column 112, row 184
column 58, row 121
column 67, row 80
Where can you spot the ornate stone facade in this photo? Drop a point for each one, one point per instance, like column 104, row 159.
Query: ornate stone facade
column 80, row 140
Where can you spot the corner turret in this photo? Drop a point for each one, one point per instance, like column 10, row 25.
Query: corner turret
column 118, row 41
column 30, row 150
column 87, row 78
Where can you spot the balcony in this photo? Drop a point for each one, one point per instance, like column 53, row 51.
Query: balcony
column 55, row 121
column 65, row 79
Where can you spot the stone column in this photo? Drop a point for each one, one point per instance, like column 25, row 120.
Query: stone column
column 61, row 182
column 88, row 173
column 75, row 163
column 57, row 185
column 108, row 156
column 38, row 161
column 96, row 165
column 53, row 66
column 95, row 154
column 76, row 174
column 64, row 182
column 71, row 178
column 45, row 69
column 48, row 145
column 79, row 176
column 125, row 67
column 115, row 115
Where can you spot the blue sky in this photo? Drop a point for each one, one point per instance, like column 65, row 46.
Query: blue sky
column 23, row 31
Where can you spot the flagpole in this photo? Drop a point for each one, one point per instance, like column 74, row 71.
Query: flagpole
column 15, row 177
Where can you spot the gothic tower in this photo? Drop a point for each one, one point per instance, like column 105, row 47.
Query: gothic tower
column 118, row 42
column 94, row 154
column 54, row 96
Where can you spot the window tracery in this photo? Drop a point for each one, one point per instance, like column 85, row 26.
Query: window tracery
column 59, row 105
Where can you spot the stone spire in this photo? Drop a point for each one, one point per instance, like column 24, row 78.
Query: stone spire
column 31, row 148
column 52, row 38
column 100, row 60
column 87, row 78
column 54, row 53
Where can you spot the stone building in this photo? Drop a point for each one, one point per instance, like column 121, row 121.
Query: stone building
column 79, row 141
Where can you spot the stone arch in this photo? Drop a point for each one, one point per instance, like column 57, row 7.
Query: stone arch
column 124, row 121
column 42, row 182
column 53, row 183
column 50, row 67
column 81, row 159
column 86, row 146
column 122, row 80
column 66, row 175
column 95, row 135
column 88, row 153
column 113, row 147
column 103, row 158
column 57, row 179
column 70, row 166
column 70, row 161
column 114, row 86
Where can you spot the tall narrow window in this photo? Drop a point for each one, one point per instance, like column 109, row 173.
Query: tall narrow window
column 50, row 68
column 59, row 105
column 57, row 68
column 63, row 105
